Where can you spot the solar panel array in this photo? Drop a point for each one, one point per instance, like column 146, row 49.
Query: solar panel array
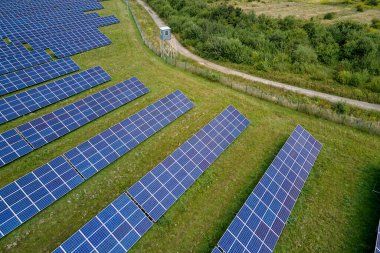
column 31, row 100
column 115, row 229
column 38, row 132
column 35, row 75
column 259, row 223
column 111, row 231
column 96, row 153
column 157, row 191
column 27, row 196
column 62, row 27
column 377, row 249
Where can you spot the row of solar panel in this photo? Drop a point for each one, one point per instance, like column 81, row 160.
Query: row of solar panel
column 27, row 196
column 21, row 35
column 38, row 132
column 31, row 100
column 258, row 224
column 31, row 76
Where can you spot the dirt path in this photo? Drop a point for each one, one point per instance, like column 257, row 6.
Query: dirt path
column 310, row 93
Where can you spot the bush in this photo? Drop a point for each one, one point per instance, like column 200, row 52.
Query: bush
column 360, row 8
column 304, row 55
column 375, row 23
column 374, row 85
column 220, row 48
column 329, row 15
column 341, row 108
column 343, row 77
column 359, row 79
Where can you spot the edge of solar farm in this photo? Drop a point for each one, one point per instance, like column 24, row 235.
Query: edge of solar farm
column 263, row 216
column 32, row 135
column 24, row 198
column 123, row 222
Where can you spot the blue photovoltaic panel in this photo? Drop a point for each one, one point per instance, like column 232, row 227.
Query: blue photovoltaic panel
column 96, row 153
column 12, row 146
column 35, row 75
column 162, row 186
column 23, row 60
column 216, row 250
column 115, row 229
column 31, row 100
column 259, row 223
column 24, row 198
column 51, row 126
column 377, row 250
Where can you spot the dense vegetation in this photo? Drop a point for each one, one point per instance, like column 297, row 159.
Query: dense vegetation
column 345, row 52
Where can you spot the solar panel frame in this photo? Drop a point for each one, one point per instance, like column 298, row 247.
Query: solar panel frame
column 99, row 151
column 115, row 229
column 27, row 196
column 262, row 218
column 158, row 190
column 31, row 76
column 31, row 100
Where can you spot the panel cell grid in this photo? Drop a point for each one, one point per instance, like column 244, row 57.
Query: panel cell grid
column 12, row 146
column 115, row 229
column 31, row 100
column 23, row 60
column 25, row 197
column 161, row 187
column 96, row 153
column 51, row 126
column 35, row 75
column 259, row 223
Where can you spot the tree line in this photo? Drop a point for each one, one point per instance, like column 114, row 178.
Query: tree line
column 346, row 52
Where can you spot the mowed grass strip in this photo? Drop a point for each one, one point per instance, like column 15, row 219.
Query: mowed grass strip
column 336, row 212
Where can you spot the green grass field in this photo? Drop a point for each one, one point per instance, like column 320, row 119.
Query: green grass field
column 336, row 212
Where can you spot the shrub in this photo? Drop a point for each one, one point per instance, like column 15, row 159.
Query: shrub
column 220, row 48
column 374, row 85
column 359, row 79
column 304, row 55
column 329, row 15
column 344, row 77
column 341, row 108
column 375, row 23
column 360, row 8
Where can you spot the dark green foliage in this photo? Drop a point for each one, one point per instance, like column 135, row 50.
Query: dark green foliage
column 226, row 33
column 329, row 16
column 220, row 48
column 341, row 108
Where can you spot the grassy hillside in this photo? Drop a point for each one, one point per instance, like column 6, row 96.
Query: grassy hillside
column 336, row 212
